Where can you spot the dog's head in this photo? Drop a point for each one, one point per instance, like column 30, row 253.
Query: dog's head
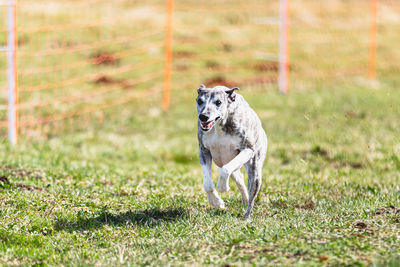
column 212, row 104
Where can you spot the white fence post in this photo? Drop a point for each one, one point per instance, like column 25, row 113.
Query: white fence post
column 284, row 47
column 12, row 72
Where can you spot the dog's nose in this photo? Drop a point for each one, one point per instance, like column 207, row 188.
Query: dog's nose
column 203, row 118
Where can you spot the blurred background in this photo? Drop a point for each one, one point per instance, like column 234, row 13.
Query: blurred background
column 79, row 62
column 82, row 62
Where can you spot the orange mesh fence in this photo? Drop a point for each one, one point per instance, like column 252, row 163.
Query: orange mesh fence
column 77, row 58
column 224, row 43
column 237, row 42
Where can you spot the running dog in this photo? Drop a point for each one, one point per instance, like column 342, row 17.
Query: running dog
column 230, row 134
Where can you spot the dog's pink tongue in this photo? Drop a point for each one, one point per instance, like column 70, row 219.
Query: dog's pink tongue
column 206, row 125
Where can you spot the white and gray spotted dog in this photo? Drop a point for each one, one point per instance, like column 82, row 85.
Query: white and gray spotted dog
column 230, row 134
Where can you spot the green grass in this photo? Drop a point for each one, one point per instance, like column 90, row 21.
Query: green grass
column 130, row 192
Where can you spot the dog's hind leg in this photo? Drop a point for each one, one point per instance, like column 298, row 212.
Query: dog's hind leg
column 254, row 172
column 212, row 194
column 238, row 177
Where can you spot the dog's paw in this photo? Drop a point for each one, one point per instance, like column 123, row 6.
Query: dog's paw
column 223, row 185
column 215, row 200
column 247, row 214
column 219, row 204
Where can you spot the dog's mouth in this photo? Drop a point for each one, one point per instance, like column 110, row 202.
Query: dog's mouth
column 206, row 126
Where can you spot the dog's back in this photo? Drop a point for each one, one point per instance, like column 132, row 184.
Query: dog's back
column 242, row 121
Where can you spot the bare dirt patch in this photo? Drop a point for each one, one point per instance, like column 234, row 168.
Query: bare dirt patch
column 259, row 80
column 355, row 165
column 354, row 115
column 23, row 172
column 317, row 150
column 308, row 205
column 323, row 258
column 22, row 40
column 103, row 79
column 29, row 187
column 227, row 47
column 103, row 58
column 280, row 204
column 337, row 163
column 4, row 179
column 341, row 164
column 220, row 80
column 183, row 54
column 106, row 80
column 186, row 39
column 360, row 225
column 388, row 210
column 214, row 65
column 5, row 182
column 360, row 228
column 272, row 66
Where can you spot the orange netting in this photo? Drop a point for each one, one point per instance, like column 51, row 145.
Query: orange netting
column 78, row 58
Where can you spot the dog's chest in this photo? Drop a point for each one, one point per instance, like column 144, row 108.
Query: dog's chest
column 223, row 147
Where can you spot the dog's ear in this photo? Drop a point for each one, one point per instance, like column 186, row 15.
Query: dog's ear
column 201, row 87
column 231, row 93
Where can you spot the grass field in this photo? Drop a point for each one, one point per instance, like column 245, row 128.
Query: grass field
column 129, row 191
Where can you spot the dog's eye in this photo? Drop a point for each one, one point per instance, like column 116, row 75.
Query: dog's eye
column 218, row 103
column 199, row 101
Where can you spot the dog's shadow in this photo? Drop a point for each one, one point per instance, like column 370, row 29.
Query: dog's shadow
column 147, row 217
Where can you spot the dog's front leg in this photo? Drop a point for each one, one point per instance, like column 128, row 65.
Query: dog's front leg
column 223, row 181
column 212, row 194
column 235, row 164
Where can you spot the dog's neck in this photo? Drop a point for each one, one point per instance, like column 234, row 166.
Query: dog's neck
column 227, row 124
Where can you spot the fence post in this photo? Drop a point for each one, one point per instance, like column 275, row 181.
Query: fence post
column 284, row 47
column 372, row 40
column 12, row 72
column 168, row 55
